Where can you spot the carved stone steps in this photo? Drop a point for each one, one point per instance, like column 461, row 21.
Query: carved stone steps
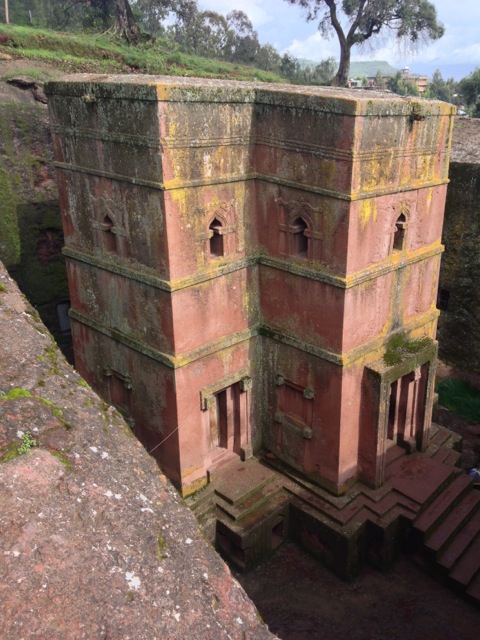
column 468, row 565
column 474, row 588
column 454, row 521
column 464, row 537
column 252, row 503
column 442, row 504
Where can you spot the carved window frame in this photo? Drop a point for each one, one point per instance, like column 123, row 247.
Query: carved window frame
column 290, row 212
column 228, row 232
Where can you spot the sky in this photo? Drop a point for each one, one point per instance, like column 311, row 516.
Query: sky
column 284, row 26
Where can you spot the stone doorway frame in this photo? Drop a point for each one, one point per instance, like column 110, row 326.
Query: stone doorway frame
column 209, row 401
column 380, row 377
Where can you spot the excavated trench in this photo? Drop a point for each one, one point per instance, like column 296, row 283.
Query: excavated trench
column 299, row 599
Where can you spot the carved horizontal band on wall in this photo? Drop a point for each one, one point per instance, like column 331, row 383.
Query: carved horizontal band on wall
column 176, row 361
column 168, row 359
column 281, row 264
column 106, row 136
column 233, row 178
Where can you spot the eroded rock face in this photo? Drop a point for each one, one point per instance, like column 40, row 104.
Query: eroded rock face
column 459, row 297
column 95, row 541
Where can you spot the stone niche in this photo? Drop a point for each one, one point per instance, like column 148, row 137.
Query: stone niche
column 254, row 267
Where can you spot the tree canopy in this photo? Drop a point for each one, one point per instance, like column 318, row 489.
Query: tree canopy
column 356, row 21
column 470, row 89
column 441, row 89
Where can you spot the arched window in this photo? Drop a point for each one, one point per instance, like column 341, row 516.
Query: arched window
column 108, row 236
column 216, row 239
column 299, row 238
column 399, row 233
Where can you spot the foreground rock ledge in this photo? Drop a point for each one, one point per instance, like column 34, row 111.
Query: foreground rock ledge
column 95, row 542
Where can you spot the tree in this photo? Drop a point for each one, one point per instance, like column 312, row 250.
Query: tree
column 401, row 85
column 380, row 81
column 242, row 43
column 470, row 90
column 268, row 58
column 410, row 20
column 151, row 13
column 441, row 89
column 124, row 25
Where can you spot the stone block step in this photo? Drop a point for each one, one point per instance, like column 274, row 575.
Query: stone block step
column 474, row 588
column 240, row 480
column 221, row 459
column 393, row 453
column 247, row 526
column 462, row 540
column 441, row 454
column 200, row 500
column 468, row 565
column 442, row 504
column 255, row 501
column 419, row 477
column 441, row 436
column 453, row 458
column 453, row 522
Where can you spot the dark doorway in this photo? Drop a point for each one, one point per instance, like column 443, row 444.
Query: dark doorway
column 225, row 419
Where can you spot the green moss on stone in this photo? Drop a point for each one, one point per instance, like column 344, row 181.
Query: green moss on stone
column 63, row 459
column 17, row 392
column 161, row 547
column 399, row 348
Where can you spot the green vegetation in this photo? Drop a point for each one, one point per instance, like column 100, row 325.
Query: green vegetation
column 460, row 397
column 161, row 547
column 28, row 441
column 97, row 53
column 399, row 348
column 15, row 449
column 63, row 459
column 470, row 91
column 17, row 393
column 410, row 22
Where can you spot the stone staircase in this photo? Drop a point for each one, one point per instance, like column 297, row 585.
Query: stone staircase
column 250, row 507
column 243, row 511
column 447, row 532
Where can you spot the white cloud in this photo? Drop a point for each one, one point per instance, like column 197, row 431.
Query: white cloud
column 253, row 8
column 315, row 47
column 284, row 26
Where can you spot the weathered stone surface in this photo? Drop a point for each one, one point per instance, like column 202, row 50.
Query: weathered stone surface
column 240, row 257
column 459, row 324
column 31, row 235
column 95, row 542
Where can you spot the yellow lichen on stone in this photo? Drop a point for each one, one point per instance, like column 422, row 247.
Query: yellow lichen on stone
column 367, row 212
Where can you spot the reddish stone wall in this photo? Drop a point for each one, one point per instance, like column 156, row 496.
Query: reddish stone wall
column 246, row 255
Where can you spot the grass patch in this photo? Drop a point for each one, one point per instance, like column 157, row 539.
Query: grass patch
column 98, row 53
column 460, row 397
column 35, row 74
